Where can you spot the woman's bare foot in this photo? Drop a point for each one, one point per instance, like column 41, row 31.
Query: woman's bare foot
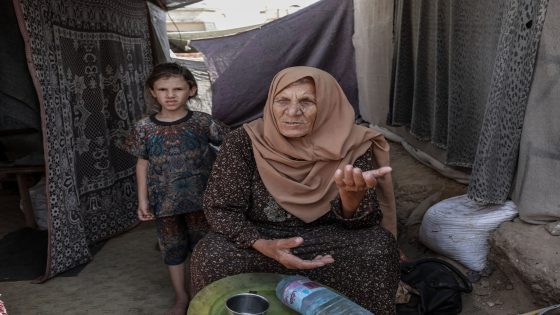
column 180, row 308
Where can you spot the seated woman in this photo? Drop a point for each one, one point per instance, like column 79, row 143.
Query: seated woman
column 287, row 195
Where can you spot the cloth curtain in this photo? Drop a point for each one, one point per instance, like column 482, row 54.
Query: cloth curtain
column 373, row 43
column 89, row 60
column 498, row 145
column 538, row 168
column 445, row 52
column 462, row 75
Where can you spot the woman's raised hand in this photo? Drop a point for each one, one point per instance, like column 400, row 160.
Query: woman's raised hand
column 352, row 184
column 279, row 250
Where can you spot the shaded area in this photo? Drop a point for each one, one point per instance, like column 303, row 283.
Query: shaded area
column 19, row 106
column 23, row 254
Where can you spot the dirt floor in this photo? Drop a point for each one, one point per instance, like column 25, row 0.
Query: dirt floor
column 127, row 276
column 418, row 187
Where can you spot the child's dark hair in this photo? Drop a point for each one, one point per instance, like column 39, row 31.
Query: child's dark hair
column 171, row 69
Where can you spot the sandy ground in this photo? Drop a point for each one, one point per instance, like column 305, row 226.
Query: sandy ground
column 417, row 187
column 127, row 277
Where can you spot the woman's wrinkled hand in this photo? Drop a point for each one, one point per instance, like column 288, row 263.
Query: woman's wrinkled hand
column 280, row 250
column 352, row 184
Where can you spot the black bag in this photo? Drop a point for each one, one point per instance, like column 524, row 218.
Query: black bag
column 439, row 285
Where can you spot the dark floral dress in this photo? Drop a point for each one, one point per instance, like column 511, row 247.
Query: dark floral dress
column 180, row 159
column 240, row 210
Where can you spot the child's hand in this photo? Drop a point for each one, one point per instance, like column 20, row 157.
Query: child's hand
column 144, row 213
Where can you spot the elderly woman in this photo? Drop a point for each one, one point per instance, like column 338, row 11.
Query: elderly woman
column 304, row 191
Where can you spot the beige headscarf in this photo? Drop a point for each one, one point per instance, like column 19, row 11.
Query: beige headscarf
column 299, row 172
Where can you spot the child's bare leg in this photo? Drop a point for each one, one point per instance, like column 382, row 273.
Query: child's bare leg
column 177, row 273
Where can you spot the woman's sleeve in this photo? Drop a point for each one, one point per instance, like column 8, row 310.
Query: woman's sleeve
column 228, row 194
column 368, row 212
column 217, row 132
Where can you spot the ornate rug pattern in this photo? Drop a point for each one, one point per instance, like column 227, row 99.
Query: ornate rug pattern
column 90, row 60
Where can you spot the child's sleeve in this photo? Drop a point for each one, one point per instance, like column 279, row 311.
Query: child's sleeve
column 135, row 143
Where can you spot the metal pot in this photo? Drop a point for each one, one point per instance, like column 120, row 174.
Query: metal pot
column 247, row 304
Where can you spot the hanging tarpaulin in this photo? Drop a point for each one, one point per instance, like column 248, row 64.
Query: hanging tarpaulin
column 243, row 65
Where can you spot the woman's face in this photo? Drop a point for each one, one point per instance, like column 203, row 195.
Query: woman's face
column 295, row 109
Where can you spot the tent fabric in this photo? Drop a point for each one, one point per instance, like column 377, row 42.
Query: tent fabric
column 89, row 60
column 19, row 107
column 373, row 44
column 497, row 152
column 462, row 76
column 243, row 65
column 536, row 186
column 444, row 56
column 158, row 18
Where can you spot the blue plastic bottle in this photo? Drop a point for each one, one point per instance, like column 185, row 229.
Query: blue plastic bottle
column 308, row 297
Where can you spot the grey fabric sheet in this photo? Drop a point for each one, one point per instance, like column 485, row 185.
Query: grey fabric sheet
column 373, row 45
column 445, row 53
column 496, row 156
column 538, row 169
column 243, row 65
column 462, row 77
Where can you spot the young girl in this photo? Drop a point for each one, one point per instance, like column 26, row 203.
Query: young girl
column 174, row 162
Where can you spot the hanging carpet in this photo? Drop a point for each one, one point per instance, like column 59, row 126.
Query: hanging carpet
column 89, row 60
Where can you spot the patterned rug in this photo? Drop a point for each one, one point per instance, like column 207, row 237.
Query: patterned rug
column 89, row 60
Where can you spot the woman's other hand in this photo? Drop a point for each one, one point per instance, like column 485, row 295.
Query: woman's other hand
column 143, row 212
column 352, row 184
column 279, row 250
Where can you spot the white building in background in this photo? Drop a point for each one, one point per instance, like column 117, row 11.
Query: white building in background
column 222, row 15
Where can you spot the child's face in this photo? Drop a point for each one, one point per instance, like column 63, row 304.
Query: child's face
column 172, row 93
